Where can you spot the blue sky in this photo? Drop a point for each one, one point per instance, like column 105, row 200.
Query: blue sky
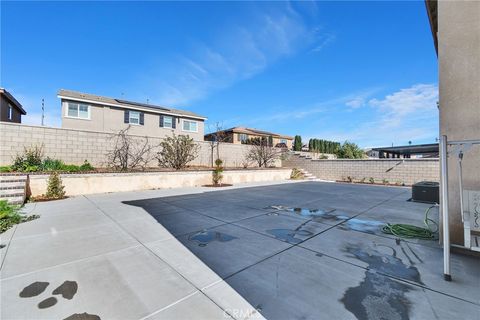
column 359, row 71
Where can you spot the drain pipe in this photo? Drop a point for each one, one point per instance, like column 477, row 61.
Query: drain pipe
column 444, row 201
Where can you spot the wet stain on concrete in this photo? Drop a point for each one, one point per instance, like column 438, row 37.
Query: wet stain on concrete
column 288, row 235
column 67, row 289
column 316, row 214
column 367, row 226
column 203, row 238
column 2, row 246
column 34, row 289
column 378, row 296
column 82, row 316
column 47, row 303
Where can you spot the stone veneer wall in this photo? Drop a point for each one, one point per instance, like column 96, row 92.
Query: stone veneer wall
column 408, row 171
column 75, row 146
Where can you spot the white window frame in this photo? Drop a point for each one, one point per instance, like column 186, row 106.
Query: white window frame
column 243, row 135
column 192, row 121
column 283, row 141
column 10, row 112
column 171, row 122
column 137, row 118
column 67, row 107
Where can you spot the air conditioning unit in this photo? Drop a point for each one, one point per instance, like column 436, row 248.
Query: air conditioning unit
column 426, row 191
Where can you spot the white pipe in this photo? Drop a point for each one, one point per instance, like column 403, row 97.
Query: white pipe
column 444, row 203
column 464, row 142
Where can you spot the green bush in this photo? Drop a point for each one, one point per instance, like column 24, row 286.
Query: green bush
column 6, row 169
column 297, row 174
column 86, row 166
column 297, row 143
column 50, row 164
column 30, row 160
column 217, row 173
column 55, row 188
column 349, row 150
column 9, row 216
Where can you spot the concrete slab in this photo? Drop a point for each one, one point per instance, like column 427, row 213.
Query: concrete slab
column 29, row 254
column 185, row 222
column 418, row 264
column 301, row 284
column 229, row 212
column 283, row 227
column 128, row 284
column 228, row 249
column 197, row 306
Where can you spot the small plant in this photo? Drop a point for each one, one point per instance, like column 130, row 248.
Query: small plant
column 86, row 166
column 371, row 180
column 363, row 180
column 350, row 179
column 6, row 169
column 9, row 216
column 55, row 188
column 50, row 164
column 323, row 157
column 384, row 181
column 297, row 174
column 217, row 173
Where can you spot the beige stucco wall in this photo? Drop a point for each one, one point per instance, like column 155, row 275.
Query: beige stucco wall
column 111, row 119
column 459, row 74
column 403, row 171
column 75, row 146
column 78, row 184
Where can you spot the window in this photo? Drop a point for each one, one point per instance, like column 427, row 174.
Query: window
column 134, row 117
column 242, row 137
column 77, row 110
column 167, row 122
column 10, row 112
column 283, row 141
column 190, row 126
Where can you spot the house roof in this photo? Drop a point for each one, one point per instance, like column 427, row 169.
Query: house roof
column 13, row 101
column 432, row 12
column 411, row 149
column 86, row 97
column 256, row 132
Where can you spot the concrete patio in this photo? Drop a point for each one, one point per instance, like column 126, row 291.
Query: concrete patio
column 202, row 253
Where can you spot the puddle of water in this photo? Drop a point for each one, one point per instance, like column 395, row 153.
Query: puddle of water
column 67, row 289
column 2, row 246
column 47, row 303
column 203, row 238
column 377, row 296
column 312, row 213
column 288, row 235
column 33, row 289
column 368, row 226
column 83, row 316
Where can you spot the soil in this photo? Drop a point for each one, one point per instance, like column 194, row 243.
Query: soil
column 43, row 198
column 217, row 185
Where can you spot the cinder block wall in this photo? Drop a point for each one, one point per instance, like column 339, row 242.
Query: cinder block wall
column 75, row 146
column 408, row 171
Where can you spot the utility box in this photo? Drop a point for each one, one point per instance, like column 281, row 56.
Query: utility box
column 426, row 191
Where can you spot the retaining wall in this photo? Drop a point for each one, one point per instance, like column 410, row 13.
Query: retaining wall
column 78, row 184
column 401, row 171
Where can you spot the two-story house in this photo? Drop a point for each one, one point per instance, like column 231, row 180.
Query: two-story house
column 10, row 109
column 102, row 114
column 241, row 135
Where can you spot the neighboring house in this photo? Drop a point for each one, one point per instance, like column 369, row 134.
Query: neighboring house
column 239, row 135
column 10, row 109
column 102, row 114
column 416, row 151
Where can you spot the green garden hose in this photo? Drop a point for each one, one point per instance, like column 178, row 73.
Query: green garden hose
column 411, row 231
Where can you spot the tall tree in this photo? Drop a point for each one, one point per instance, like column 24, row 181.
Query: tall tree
column 297, row 143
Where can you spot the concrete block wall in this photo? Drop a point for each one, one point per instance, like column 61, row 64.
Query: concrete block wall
column 75, row 146
column 407, row 171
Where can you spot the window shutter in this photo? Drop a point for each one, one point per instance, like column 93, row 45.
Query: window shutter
column 142, row 118
column 161, row 121
column 126, row 117
column 174, row 122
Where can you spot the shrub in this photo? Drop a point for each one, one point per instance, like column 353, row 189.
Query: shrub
column 6, row 169
column 384, row 181
column 9, row 216
column 263, row 153
column 217, row 175
column 350, row 179
column 30, row 160
column 55, row 188
column 371, row 180
column 297, row 174
column 177, row 151
column 86, row 166
column 297, row 143
column 50, row 164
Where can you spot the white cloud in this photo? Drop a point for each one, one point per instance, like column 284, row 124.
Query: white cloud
column 239, row 52
column 356, row 103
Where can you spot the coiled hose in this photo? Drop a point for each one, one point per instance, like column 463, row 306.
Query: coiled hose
column 411, row 231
